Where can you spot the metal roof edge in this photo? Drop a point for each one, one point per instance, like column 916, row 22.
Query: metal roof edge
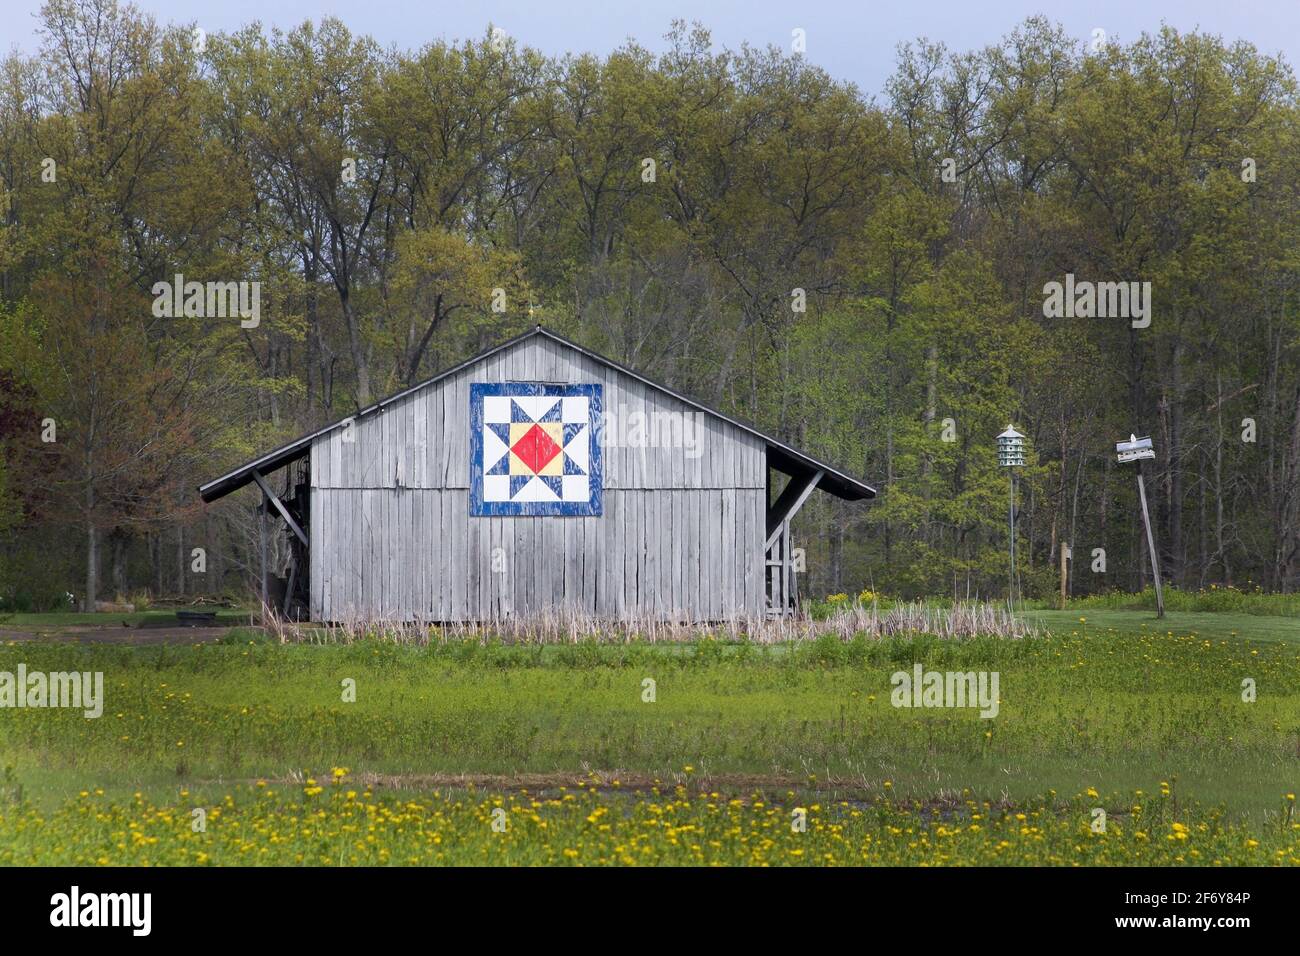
column 291, row 451
column 808, row 460
column 238, row 477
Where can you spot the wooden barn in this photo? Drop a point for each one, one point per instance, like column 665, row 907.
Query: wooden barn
column 536, row 476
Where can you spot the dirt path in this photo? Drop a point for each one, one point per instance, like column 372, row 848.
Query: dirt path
column 776, row 788
column 594, row 780
column 119, row 634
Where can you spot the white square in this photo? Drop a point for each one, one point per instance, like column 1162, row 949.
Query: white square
column 496, row 409
column 496, row 487
column 576, row 487
column 575, row 410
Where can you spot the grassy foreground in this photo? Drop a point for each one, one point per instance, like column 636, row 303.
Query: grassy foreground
column 334, row 824
column 1090, row 717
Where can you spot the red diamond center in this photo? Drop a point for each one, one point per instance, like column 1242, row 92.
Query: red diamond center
column 535, row 448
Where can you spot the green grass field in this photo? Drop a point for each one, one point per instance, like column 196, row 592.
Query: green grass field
column 1102, row 706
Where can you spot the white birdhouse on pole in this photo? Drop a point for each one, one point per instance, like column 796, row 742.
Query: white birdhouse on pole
column 1135, row 449
column 1011, row 448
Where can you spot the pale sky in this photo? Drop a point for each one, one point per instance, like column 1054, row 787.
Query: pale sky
column 853, row 40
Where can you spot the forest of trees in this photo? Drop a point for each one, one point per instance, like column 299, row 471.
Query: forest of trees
column 861, row 276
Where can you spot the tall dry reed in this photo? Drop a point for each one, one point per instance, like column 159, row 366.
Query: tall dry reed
column 568, row 626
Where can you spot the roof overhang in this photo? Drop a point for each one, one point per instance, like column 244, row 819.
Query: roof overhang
column 243, row 475
column 798, row 465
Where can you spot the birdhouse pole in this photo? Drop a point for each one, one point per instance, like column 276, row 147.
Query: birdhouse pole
column 1011, row 455
column 1138, row 450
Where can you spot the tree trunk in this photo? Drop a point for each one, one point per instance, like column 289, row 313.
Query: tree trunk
column 120, row 542
column 211, row 535
column 180, row 562
column 155, row 554
column 92, row 560
column 359, row 359
column 1290, row 547
column 1219, row 544
column 1175, row 503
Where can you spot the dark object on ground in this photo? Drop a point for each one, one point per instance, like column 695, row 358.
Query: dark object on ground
column 197, row 618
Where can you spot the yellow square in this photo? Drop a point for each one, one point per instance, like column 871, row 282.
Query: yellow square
column 554, row 431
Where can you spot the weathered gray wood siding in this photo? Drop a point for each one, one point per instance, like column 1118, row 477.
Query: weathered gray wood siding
column 392, row 537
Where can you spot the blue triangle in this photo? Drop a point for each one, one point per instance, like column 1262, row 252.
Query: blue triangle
column 571, row 468
column 502, row 467
column 553, row 482
column 517, row 414
column 502, row 431
column 517, row 482
column 552, row 413
column 571, row 429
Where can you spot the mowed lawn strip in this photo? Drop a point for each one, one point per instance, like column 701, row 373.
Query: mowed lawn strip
column 1218, row 625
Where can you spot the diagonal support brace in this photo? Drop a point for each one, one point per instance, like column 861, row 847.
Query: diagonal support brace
column 788, row 505
column 279, row 506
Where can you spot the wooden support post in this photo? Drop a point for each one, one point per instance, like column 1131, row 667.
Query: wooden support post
column 787, row 568
column 288, row 592
column 261, row 542
column 778, row 557
column 777, row 597
column 1065, row 556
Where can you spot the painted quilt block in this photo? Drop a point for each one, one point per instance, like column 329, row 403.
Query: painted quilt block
column 534, row 449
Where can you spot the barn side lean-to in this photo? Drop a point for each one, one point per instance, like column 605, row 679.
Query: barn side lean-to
column 537, row 476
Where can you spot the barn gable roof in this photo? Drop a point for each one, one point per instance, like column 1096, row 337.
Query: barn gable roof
column 782, row 456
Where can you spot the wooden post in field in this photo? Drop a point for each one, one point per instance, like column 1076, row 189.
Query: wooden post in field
column 1151, row 545
column 1065, row 556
